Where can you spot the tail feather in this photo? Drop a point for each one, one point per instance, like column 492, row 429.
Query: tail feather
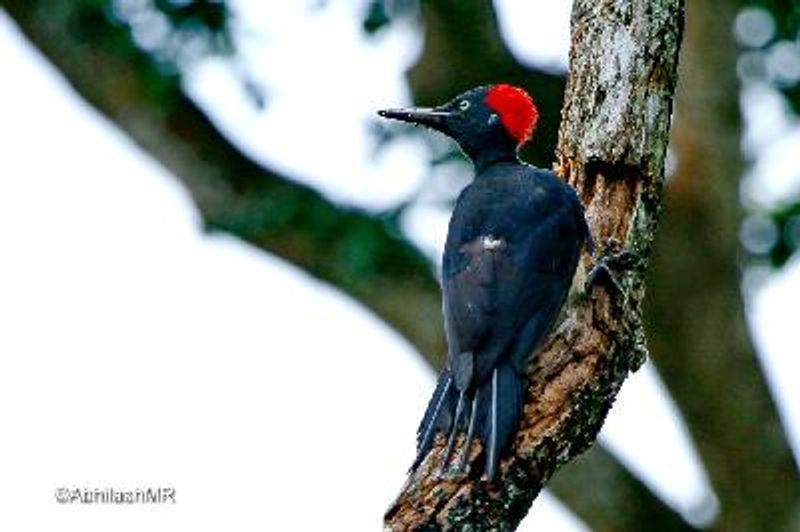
column 454, row 430
column 438, row 415
column 498, row 413
column 494, row 416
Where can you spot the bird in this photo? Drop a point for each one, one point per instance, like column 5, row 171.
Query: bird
column 512, row 249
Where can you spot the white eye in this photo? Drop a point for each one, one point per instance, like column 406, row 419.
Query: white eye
column 493, row 118
column 463, row 105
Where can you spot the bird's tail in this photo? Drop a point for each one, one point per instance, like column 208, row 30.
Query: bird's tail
column 491, row 412
column 438, row 416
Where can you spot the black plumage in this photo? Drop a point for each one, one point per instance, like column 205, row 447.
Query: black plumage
column 512, row 250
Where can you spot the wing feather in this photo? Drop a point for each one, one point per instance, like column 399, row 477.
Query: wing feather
column 501, row 287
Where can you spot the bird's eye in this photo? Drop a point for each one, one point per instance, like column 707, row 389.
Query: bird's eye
column 493, row 119
column 463, row 105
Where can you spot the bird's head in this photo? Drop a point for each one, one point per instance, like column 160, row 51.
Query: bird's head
column 484, row 121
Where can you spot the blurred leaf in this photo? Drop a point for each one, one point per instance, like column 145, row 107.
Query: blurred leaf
column 787, row 222
column 376, row 17
column 176, row 32
column 779, row 47
column 379, row 14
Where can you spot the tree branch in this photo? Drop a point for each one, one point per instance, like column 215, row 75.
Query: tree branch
column 612, row 145
column 698, row 332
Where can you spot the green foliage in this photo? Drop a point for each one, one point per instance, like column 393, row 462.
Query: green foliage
column 376, row 17
column 176, row 32
column 91, row 23
column 173, row 34
column 207, row 15
column 787, row 223
column 379, row 14
column 769, row 32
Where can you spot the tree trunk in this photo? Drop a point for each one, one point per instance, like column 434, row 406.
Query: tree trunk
column 612, row 144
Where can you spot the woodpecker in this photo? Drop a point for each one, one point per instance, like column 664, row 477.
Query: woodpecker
column 512, row 249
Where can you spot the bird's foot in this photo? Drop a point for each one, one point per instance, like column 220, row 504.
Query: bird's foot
column 454, row 465
column 609, row 267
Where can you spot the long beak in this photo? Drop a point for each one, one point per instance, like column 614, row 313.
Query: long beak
column 424, row 116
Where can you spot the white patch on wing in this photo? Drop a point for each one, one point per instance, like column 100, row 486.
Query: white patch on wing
column 483, row 243
column 489, row 242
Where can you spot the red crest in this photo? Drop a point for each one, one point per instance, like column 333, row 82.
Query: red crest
column 517, row 111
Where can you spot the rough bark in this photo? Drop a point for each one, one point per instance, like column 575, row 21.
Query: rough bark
column 612, row 144
column 695, row 316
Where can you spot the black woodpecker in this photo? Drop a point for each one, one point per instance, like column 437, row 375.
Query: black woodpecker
column 512, row 249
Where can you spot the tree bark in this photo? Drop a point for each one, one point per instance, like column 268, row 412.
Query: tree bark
column 612, row 145
column 695, row 315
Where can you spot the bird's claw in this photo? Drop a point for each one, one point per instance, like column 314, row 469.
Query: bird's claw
column 450, row 468
column 608, row 267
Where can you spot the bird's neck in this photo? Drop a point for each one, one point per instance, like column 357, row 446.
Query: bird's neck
column 487, row 158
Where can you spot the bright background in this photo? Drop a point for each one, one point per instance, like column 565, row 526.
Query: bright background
column 136, row 351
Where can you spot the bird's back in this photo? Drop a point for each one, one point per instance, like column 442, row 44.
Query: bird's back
column 511, row 252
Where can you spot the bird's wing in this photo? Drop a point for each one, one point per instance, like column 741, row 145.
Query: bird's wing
column 499, row 287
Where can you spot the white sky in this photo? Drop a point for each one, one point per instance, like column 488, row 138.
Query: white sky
column 138, row 352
